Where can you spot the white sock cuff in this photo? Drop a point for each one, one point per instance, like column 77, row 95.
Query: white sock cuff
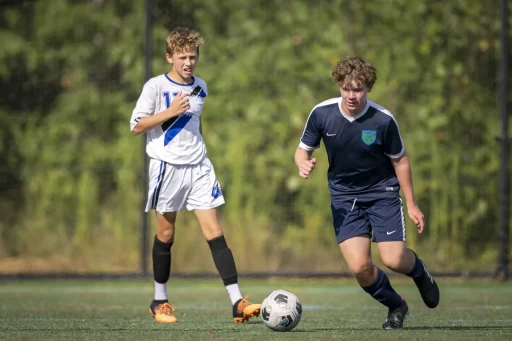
column 234, row 292
column 160, row 291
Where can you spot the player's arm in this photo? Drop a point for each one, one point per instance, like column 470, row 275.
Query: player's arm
column 404, row 175
column 309, row 141
column 205, row 89
column 304, row 162
column 179, row 105
column 394, row 148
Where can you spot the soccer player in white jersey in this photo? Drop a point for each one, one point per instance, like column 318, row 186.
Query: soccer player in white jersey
column 180, row 174
column 367, row 168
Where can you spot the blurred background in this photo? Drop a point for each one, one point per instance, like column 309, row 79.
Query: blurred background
column 72, row 176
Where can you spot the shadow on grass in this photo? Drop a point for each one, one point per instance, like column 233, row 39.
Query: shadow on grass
column 454, row 328
column 461, row 328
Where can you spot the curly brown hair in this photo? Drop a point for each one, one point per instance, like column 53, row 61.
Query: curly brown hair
column 354, row 69
column 182, row 39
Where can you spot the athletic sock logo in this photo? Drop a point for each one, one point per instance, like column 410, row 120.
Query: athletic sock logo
column 428, row 273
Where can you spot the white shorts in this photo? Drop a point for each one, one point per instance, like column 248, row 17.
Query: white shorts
column 171, row 187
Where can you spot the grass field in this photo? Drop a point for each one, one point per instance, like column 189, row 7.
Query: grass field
column 333, row 310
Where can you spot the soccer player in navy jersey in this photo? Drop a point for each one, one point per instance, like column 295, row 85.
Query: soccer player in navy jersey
column 181, row 176
column 367, row 168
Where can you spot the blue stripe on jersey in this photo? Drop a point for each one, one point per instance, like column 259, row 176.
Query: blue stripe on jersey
column 156, row 186
column 175, row 129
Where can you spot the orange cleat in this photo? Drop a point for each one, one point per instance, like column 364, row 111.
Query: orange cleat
column 243, row 310
column 163, row 312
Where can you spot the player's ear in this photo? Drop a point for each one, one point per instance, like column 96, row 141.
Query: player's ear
column 168, row 57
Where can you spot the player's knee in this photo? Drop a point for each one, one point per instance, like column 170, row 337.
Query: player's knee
column 166, row 235
column 392, row 262
column 212, row 231
column 363, row 270
column 165, row 229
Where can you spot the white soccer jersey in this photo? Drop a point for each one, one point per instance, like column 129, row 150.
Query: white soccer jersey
column 177, row 141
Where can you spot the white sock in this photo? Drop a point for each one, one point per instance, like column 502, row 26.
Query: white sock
column 160, row 291
column 234, row 292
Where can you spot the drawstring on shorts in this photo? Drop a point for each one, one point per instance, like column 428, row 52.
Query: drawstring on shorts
column 353, row 205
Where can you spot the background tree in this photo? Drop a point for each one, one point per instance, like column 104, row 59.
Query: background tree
column 70, row 73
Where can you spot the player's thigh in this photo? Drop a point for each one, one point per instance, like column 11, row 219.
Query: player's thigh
column 209, row 223
column 155, row 173
column 169, row 186
column 357, row 253
column 387, row 220
column 206, row 192
column 166, row 226
column 349, row 220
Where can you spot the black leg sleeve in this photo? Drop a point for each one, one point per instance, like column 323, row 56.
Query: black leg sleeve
column 161, row 260
column 223, row 259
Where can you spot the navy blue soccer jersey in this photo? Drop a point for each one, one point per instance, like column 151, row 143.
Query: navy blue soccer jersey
column 359, row 148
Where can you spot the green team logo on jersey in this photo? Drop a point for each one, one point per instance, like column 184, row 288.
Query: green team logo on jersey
column 369, row 136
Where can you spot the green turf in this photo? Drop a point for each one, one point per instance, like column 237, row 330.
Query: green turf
column 333, row 310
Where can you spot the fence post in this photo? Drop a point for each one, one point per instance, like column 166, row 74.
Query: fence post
column 504, row 173
column 144, row 247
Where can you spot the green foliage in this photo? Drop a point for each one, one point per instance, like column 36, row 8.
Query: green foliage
column 71, row 72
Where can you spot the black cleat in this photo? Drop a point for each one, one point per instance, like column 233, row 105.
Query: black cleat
column 428, row 288
column 396, row 317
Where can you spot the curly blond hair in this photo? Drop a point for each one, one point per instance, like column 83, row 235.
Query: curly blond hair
column 354, row 69
column 182, row 39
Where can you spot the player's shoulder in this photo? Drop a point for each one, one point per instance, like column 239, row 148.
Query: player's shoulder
column 199, row 81
column 329, row 102
column 154, row 82
column 383, row 112
column 326, row 106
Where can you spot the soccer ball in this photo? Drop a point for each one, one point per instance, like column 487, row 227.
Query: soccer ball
column 281, row 310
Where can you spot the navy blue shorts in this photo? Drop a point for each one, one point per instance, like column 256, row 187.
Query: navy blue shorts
column 382, row 218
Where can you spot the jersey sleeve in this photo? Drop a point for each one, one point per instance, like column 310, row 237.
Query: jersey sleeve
column 145, row 104
column 393, row 143
column 311, row 136
column 205, row 90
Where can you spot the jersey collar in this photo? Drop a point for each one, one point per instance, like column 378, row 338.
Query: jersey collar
column 353, row 118
column 180, row 84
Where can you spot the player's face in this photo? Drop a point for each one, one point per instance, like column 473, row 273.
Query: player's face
column 354, row 97
column 183, row 64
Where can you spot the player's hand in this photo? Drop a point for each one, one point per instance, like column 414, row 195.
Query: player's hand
column 416, row 216
column 180, row 104
column 307, row 167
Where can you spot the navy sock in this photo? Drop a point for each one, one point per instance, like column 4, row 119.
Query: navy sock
column 418, row 271
column 382, row 291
